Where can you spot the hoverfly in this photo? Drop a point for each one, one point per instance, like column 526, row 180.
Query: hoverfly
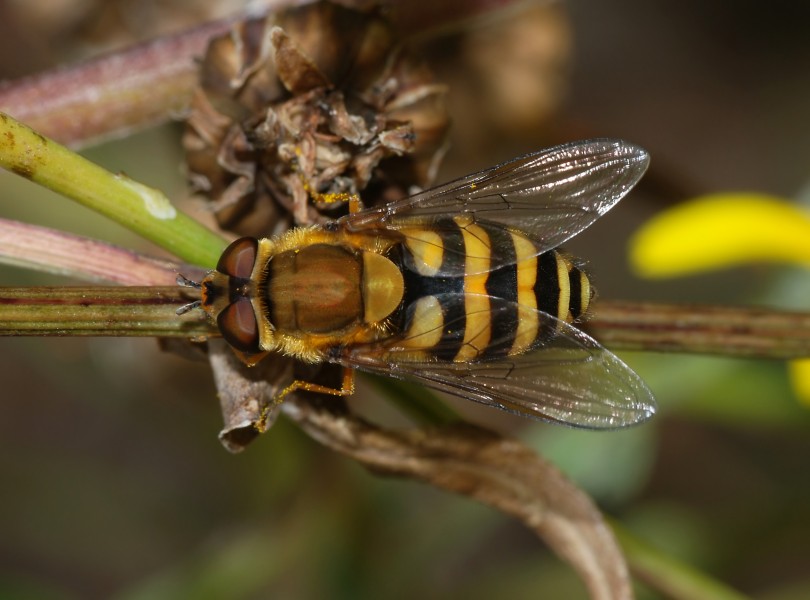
column 459, row 287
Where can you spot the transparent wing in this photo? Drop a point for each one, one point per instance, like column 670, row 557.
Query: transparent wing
column 567, row 377
column 550, row 195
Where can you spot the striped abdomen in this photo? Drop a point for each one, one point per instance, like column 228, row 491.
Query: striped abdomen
column 457, row 308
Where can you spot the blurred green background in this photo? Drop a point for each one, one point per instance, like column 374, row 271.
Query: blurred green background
column 114, row 483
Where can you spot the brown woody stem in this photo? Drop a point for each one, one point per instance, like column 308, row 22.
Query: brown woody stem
column 701, row 329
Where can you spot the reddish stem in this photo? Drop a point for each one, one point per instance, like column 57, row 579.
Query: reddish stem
column 114, row 94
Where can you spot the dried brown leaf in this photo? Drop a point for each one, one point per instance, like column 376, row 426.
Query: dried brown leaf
column 497, row 471
column 244, row 392
column 295, row 70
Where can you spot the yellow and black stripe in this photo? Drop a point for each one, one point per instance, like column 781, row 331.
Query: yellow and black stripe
column 457, row 307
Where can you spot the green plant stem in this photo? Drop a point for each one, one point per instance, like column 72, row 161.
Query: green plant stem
column 666, row 574
column 100, row 311
column 141, row 209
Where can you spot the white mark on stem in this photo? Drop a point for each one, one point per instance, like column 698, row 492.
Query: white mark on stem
column 155, row 202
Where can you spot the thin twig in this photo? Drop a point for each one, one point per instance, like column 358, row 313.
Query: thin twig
column 113, row 95
column 99, row 311
column 701, row 329
column 723, row 330
column 61, row 253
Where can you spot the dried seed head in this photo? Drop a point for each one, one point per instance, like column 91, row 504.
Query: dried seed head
column 298, row 109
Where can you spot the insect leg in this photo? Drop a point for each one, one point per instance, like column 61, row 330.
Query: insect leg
column 346, row 389
column 355, row 204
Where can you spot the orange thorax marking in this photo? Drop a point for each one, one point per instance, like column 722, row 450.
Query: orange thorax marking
column 315, row 290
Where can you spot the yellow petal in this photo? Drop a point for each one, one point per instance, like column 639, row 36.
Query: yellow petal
column 718, row 231
column 799, row 371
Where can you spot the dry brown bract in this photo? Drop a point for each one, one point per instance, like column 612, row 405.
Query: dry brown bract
column 310, row 103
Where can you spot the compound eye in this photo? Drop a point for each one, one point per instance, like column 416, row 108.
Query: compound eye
column 237, row 323
column 238, row 259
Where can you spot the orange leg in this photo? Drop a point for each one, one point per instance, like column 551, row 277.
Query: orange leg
column 346, row 389
column 355, row 204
